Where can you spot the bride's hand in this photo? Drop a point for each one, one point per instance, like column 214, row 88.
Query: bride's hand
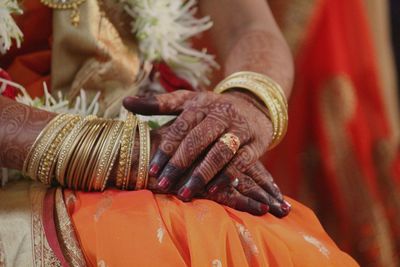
column 204, row 118
column 255, row 193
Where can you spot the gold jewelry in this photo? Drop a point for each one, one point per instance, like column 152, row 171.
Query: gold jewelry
column 86, row 172
column 83, row 153
column 144, row 157
column 269, row 92
column 126, row 152
column 275, row 89
column 264, row 79
column 67, row 149
column 32, row 160
column 66, row 4
column 231, row 141
column 46, row 165
column 96, row 153
column 108, row 155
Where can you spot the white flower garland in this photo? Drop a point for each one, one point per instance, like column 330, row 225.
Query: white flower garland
column 8, row 28
column 163, row 30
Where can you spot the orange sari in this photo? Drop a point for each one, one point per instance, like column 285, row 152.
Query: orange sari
column 123, row 228
column 119, row 228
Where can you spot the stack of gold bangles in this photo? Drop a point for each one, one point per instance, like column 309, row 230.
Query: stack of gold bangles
column 80, row 153
column 269, row 92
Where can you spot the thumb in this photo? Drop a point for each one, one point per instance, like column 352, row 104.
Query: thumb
column 163, row 104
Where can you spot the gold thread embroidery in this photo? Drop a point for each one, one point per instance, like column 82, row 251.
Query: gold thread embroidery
column 66, row 233
column 43, row 255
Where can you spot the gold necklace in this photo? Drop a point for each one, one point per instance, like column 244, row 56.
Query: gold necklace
column 66, row 4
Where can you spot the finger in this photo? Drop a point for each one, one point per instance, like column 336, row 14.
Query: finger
column 163, row 104
column 248, row 187
column 246, row 157
column 264, row 179
column 202, row 136
column 218, row 156
column 230, row 197
column 177, row 131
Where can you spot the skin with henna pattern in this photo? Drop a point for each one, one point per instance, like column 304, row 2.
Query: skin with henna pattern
column 189, row 140
column 20, row 125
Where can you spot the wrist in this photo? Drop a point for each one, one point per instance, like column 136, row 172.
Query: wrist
column 249, row 97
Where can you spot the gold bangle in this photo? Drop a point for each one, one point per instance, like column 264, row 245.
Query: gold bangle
column 46, row 166
column 259, row 90
column 108, row 154
column 85, row 171
column 276, row 88
column 125, row 159
column 273, row 88
column 269, row 92
column 32, row 160
column 75, row 154
column 67, row 148
column 114, row 153
column 95, row 154
column 44, row 160
column 144, row 157
column 82, row 153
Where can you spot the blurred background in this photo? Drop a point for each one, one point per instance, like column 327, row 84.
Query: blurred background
column 341, row 156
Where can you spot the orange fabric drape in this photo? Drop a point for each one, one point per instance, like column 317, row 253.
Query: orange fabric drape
column 339, row 145
column 123, row 228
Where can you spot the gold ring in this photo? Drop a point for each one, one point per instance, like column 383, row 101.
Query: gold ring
column 232, row 141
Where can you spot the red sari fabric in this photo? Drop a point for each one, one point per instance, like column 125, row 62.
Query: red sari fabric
column 339, row 148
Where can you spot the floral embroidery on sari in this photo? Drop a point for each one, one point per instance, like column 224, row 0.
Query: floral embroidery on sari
column 318, row 244
column 247, row 240
column 216, row 263
column 160, row 231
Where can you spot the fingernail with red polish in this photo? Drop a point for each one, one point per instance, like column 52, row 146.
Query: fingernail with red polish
column 164, row 183
column 286, row 207
column 264, row 208
column 154, row 170
column 213, row 189
column 185, row 193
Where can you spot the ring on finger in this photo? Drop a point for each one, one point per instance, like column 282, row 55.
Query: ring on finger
column 231, row 141
column 235, row 182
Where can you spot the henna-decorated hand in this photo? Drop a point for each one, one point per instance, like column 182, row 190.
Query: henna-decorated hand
column 204, row 118
column 256, row 192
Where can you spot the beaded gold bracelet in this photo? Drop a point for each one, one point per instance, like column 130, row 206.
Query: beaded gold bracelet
column 107, row 157
column 126, row 152
column 32, row 160
column 46, row 166
column 144, row 157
